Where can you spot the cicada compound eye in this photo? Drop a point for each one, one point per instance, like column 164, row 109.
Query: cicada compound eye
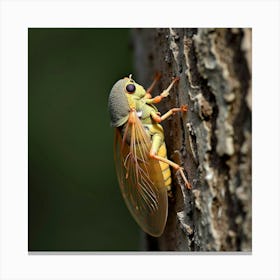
column 130, row 88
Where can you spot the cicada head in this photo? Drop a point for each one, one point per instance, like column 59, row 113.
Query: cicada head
column 118, row 104
column 122, row 98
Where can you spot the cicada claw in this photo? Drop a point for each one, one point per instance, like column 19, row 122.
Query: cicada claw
column 187, row 184
column 184, row 108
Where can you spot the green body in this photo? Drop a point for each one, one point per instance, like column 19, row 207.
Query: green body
column 121, row 102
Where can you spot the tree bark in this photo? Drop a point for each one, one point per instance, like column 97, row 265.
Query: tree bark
column 212, row 141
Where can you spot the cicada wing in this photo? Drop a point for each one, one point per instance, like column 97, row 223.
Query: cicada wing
column 140, row 179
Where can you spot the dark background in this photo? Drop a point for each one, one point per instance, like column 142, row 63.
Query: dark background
column 74, row 202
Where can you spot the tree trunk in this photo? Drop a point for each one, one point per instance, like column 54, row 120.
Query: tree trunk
column 212, row 141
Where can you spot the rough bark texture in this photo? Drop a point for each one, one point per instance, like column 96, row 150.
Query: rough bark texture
column 212, row 142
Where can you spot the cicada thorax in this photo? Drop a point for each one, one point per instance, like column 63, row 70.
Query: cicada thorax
column 155, row 134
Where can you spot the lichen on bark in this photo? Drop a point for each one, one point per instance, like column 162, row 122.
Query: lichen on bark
column 213, row 141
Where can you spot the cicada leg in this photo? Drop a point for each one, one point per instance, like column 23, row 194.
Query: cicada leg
column 165, row 93
column 156, row 143
column 156, row 79
column 151, row 87
column 158, row 119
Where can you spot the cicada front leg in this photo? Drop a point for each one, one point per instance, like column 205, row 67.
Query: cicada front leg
column 151, row 87
column 164, row 94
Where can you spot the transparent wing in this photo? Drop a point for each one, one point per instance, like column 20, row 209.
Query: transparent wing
column 140, row 178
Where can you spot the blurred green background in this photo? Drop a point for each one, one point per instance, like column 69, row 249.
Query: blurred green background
column 74, row 202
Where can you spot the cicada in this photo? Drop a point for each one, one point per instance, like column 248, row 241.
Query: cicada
column 142, row 166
